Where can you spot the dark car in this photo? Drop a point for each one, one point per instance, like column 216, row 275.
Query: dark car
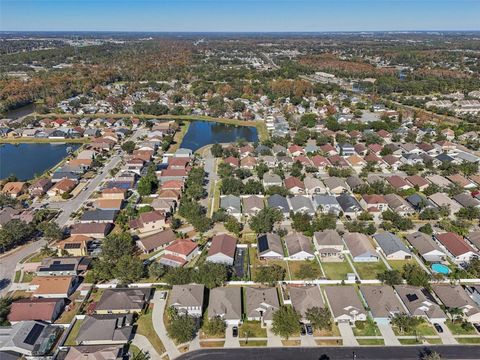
column 303, row 331
column 235, row 331
column 477, row 326
column 438, row 327
column 309, row 329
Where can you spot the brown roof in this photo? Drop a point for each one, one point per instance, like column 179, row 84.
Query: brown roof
column 454, row 243
column 90, row 228
column 172, row 185
column 292, row 181
column 109, row 203
column 33, row 309
column 52, row 284
column 65, row 185
column 114, row 191
column 13, row 187
column 374, row 199
column 151, row 216
column 174, row 172
column 397, row 182
column 157, row 240
column 182, row 246
column 417, row 180
column 169, row 194
column 223, row 244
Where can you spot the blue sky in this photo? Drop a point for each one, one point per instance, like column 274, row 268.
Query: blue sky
column 239, row 15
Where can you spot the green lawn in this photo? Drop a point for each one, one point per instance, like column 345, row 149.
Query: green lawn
column 336, row 270
column 457, row 329
column 475, row 340
column 18, row 273
column 434, row 341
column 409, row 341
column 366, row 328
column 253, row 343
column 145, row 328
column 73, row 334
column 256, row 262
column 424, row 329
column 398, row 264
column 295, row 266
column 371, row 342
column 27, row 277
column 369, row 270
column 253, row 329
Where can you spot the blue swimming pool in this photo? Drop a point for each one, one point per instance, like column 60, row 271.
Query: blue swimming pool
column 441, row 269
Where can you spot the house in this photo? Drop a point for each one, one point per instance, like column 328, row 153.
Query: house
column 123, row 301
column 62, row 187
column 226, row 304
column 360, row 247
column 326, row 204
column 299, row 247
column 43, row 309
column 148, row 222
column 461, row 181
column 99, row 216
column 280, row 203
column 252, row 204
column 231, row 204
column 467, row 200
column 76, row 245
column 335, row 185
column 382, row 302
column 345, row 149
column 187, row 299
column 304, row 298
column 272, row 180
column 96, row 352
column 52, row 286
column 329, row 245
column 105, row 329
column 474, row 238
column 222, row 249
column 374, row 201
column 354, row 182
column 426, row 247
column 418, row 182
column 419, row 202
column 296, row 150
column 166, row 206
column 261, row 303
column 94, row 230
column 460, row 250
column 294, row 185
column 319, row 162
column 63, row 266
column 14, row 188
column 398, row 183
column 40, row 187
column 29, row 338
column 301, row 204
column 114, row 193
column 345, row 304
column 438, row 180
column 179, row 252
column 232, row 161
column 455, row 297
column 419, row 302
column 397, row 204
column 392, row 247
column 269, row 246
column 109, row 204
column 338, row 161
column 156, row 242
column 350, row 206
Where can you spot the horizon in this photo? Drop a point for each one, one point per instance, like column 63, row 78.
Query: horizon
column 236, row 16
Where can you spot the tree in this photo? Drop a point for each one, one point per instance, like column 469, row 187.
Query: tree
column 469, row 213
column 285, row 322
column 319, row 317
column 234, row 226
column 390, row 277
column 128, row 146
column 51, row 230
column 5, row 303
column 181, row 328
column 426, row 229
column 128, row 269
column 307, row 270
column 211, row 274
column 405, row 323
column 270, row 274
column 214, row 327
column 15, row 232
column 264, row 220
column 140, row 355
column 432, row 356
column 414, row 275
column 217, row 150
column 179, row 276
column 156, row 270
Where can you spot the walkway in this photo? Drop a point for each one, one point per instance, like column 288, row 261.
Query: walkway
column 159, row 326
column 388, row 335
column 347, row 334
column 144, row 344
column 272, row 339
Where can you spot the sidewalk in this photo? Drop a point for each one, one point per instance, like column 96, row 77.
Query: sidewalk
column 347, row 334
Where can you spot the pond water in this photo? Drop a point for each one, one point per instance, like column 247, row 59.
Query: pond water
column 201, row 133
column 26, row 160
column 21, row 111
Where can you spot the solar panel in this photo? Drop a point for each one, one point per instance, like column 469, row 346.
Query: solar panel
column 34, row 334
column 72, row 246
column 412, row 297
column 62, row 267
column 262, row 244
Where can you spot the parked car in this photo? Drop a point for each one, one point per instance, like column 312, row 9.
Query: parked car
column 309, row 329
column 235, row 331
column 163, row 295
column 477, row 326
column 303, row 331
column 438, row 327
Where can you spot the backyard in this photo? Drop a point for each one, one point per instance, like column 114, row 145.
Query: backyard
column 369, row 270
column 336, row 270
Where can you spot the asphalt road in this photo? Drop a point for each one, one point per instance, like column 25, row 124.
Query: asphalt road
column 333, row 353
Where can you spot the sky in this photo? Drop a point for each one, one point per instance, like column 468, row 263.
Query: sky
column 238, row 15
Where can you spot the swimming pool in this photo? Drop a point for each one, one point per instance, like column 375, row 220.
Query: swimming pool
column 441, row 269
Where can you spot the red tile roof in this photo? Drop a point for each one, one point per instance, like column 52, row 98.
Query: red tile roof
column 454, row 243
column 33, row 309
column 182, row 246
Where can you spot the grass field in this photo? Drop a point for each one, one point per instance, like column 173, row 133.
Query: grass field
column 145, row 328
column 468, row 340
column 366, row 328
column 295, row 266
column 253, row 343
column 409, row 341
column 291, row 342
column 211, row 344
column 398, row 264
column 334, row 331
column 369, row 270
column 73, row 333
column 252, row 329
column 329, row 342
column 424, row 329
column 457, row 329
column 371, row 342
column 336, row 270
column 256, row 263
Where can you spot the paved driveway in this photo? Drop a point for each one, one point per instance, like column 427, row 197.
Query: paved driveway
column 144, row 344
column 272, row 339
column 230, row 341
column 447, row 336
column 307, row 340
column 388, row 335
column 347, row 334
column 159, row 326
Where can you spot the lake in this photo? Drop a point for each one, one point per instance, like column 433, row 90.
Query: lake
column 20, row 112
column 26, row 160
column 201, row 133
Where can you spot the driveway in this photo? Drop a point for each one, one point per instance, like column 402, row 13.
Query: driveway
column 230, row 341
column 388, row 335
column 447, row 336
column 159, row 326
column 272, row 339
column 307, row 341
column 347, row 334
column 144, row 344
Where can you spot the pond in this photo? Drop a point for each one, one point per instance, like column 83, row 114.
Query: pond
column 201, row 133
column 20, row 112
column 27, row 160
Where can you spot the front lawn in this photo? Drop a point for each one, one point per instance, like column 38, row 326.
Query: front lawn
column 371, row 342
column 336, row 270
column 332, row 332
column 211, row 344
column 409, row 341
column 369, row 270
column 459, row 328
column 424, row 329
column 255, row 263
column 252, row 329
column 145, row 328
column 366, row 328
column 253, row 343
column 475, row 340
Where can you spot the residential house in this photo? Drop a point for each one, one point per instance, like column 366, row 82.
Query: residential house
column 350, row 206
column 314, row 186
column 426, row 247
column 280, row 203
column 455, row 297
column 398, row 183
column 99, row 216
column 382, row 302
column 329, row 245
column 467, row 200
column 40, row 187
column 187, row 299
column 226, row 304
column 392, row 247
column 261, row 303
column 76, row 245
column 94, row 230
column 398, row 205
column 299, row 247
column 304, row 298
column 354, row 182
column 63, row 266
column 231, row 204
column 457, row 247
column 269, row 246
column 252, row 204
column 28, row 338
column 14, row 188
column 419, row 302
column 96, row 352
column 345, row 304
column 419, row 202
column 43, row 309
column 474, row 238
column 418, row 182
column 148, row 222
column 360, row 247
column 272, row 180
column 109, row 204
column 326, row 204
column 52, row 286
column 105, row 329
column 438, row 180
column 156, row 241
column 179, row 252
column 62, row 187
column 335, row 185
column 294, row 185
column 374, row 201
column 301, row 204
column 123, row 301
column 248, row 162
column 345, row 149
column 232, row 161
column 222, row 249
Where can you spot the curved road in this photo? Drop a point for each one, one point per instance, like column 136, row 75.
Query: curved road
column 334, row 353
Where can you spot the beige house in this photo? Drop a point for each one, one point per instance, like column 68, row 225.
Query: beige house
column 304, row 298
column 261, row 303
column 329, row 245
